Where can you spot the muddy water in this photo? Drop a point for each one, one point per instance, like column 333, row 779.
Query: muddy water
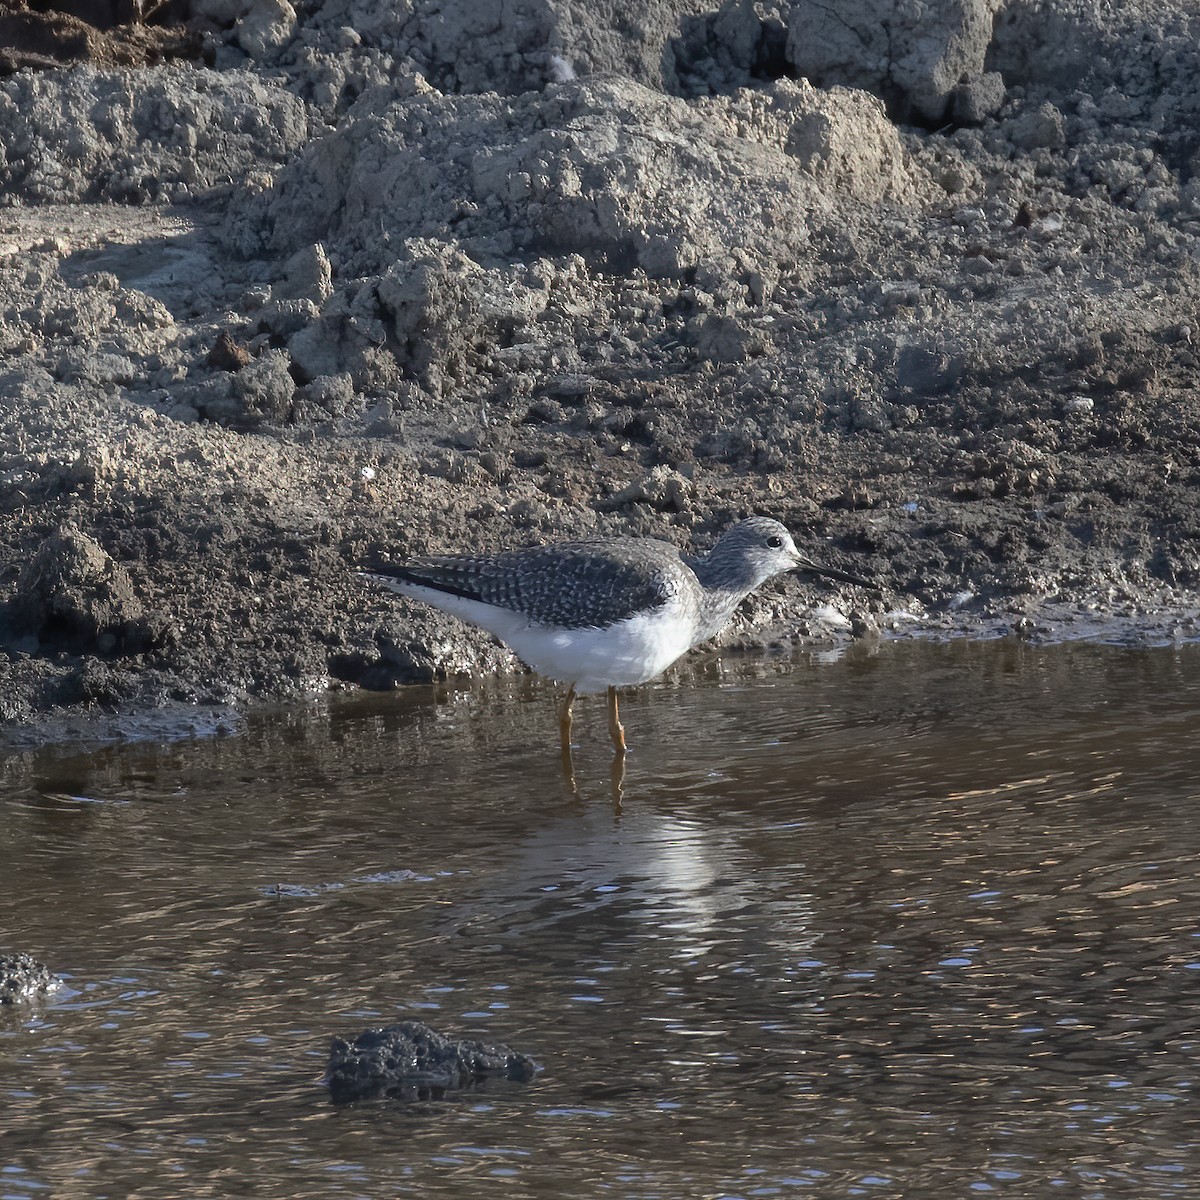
column 923, row 921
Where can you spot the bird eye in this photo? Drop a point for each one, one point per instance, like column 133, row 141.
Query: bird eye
column 774, row 541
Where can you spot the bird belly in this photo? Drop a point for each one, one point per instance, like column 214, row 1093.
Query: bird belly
column 619, row 655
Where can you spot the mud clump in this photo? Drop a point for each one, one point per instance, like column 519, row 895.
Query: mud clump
column 602, row 168
column 135, row 137
column 410, row 1061
column 73, row 595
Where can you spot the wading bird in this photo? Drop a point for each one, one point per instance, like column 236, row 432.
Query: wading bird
column 604, row 613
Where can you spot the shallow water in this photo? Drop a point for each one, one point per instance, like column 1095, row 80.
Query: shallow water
column 918, row 921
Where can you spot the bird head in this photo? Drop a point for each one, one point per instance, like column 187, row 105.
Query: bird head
column 762, row 548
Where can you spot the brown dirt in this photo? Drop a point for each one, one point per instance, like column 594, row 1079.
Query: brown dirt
column 35, row 40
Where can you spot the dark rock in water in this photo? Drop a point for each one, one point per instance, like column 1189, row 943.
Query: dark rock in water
column 22, row 978
column 410, row 1061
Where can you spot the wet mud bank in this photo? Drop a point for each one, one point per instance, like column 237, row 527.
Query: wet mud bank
column 292, row 284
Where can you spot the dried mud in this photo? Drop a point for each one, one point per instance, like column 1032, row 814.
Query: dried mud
column 422, row 276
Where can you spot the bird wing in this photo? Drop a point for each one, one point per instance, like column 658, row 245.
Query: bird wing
column 574, row 585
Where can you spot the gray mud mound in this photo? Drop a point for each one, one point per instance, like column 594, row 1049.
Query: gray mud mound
column 23, row 978
column 606, row 168
column 87, row 134
column 543, row 191
column 410, row 1061
column 480, row 46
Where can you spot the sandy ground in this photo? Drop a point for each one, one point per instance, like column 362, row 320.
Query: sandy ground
column 288, row 286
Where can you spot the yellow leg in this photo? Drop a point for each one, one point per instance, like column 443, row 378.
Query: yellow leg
column 564, row 720
column 615, row 729
column 616, row 775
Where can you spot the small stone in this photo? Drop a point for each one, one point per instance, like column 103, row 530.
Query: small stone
column 283, row 318
column 664, row 489
column 266, row 387
column 72, row 594
column 255, row 297
column 267, row 27
column 308, row 275
column 728, row 340
column 972, row 218
column 186, row 414
column 330, row 395
column 855, row 497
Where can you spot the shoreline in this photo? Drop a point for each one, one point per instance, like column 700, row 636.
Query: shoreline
column 166, row 723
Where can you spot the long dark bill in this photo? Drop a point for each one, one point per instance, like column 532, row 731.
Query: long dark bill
column 833, row 573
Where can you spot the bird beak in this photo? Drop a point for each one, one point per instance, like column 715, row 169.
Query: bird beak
column 813, row 568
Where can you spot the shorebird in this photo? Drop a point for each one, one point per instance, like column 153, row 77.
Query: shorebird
column 605, row 613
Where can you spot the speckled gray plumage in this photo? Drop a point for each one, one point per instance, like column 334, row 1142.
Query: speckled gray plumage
column 574, row 585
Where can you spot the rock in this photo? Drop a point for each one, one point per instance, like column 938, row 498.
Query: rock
column 321, row 348
column 441, row 304
column 307, row 275
column 717, row 51
column 283, row 318
column 23, row 977
column 925, row 370
column 409, row 1061
column 913, row 55
column 213, row 398
column 266, row 27
column 324, row 397
column 663, row 488
column 726, row 339
column 102, row 368
column 428, row 647
column 843, row 138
